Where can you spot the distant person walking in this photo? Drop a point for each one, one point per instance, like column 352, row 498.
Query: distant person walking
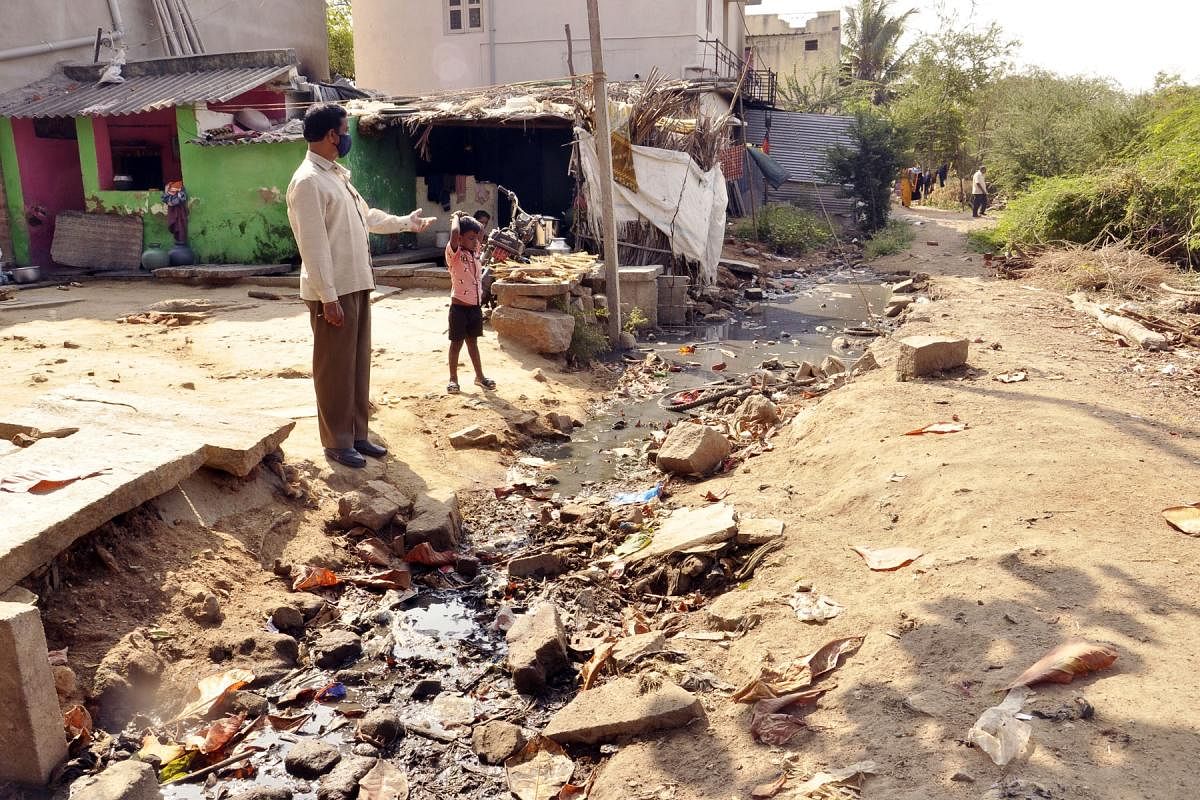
column 906, row 187
column 331, row 220
column 979, row 193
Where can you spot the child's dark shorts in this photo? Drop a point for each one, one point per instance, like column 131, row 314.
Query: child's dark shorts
column 466, row 322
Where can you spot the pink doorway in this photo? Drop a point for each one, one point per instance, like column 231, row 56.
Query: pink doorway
column 51, row 178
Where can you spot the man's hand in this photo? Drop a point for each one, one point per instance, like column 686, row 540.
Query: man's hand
column 333, row 314
column 419, row 223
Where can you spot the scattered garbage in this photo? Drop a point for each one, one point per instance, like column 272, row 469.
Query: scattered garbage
column 841, row 784
column 638, row 498
column 799, row 674
column 1185, row 519
column 811, row 607
column 1011, row 377
column 999, row 732
column 777, row 720
column 1066, row 662
column 888, row 558
column 539, row 771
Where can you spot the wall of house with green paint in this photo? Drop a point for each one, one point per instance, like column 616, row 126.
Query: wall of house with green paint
column 384, row 170
column 18, row 229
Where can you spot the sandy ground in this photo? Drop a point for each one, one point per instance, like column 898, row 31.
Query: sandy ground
column 1039, row 523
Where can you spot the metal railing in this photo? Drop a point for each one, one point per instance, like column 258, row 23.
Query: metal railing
column 760, row 86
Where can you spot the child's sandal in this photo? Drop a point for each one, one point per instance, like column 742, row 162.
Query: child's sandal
column 452, row 388
column 486, row 383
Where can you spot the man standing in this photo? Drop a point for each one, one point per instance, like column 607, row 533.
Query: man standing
column 330, row 221
column 979, row 193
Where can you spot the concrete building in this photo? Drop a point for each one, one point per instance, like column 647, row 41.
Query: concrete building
column 415, row 48
column 791, row 50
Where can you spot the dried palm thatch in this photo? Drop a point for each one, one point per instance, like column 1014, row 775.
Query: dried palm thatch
column 1115, row 268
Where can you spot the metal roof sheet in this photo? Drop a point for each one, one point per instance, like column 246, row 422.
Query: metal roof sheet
column 61, row 96
column 800, row 142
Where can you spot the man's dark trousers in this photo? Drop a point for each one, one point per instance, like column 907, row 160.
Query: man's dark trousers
column 342, row 371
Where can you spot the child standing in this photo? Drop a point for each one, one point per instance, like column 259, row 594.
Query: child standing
column 466, row 297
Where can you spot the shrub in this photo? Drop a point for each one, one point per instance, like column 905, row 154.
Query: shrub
column 635, row 320
column 870, row 167
column 895, row 237
column 587, row 340
column 788, row 229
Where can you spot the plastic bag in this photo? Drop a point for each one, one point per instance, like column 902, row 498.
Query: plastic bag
column 1000, row 734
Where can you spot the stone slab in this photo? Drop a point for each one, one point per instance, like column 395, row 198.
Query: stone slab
column 31, row 305
column 688, row 528
column 146, row 444
column 758, row 531
column 530, row 289
column 220, row 272
column 31, row 733
column 618, row 709
column 921, row 356
column 639, row 274
column 397, row 271
column 415, row 256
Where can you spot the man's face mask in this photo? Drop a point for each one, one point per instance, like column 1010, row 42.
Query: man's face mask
column 344, row 145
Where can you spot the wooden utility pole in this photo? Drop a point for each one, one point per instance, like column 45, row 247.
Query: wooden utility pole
column 608, row 231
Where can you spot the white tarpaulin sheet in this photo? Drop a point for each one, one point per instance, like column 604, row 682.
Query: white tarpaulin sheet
column 674, row 195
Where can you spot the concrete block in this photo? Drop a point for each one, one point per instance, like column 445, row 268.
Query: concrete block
column 123, row 780
column 639, row 288
column 619, row 708
column 924, row 355
column 537, row 648
column 31, row 729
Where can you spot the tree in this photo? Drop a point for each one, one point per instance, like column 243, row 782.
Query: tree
column 829, row 91
column 872, row 51
column 870, row 166
column 341, row 37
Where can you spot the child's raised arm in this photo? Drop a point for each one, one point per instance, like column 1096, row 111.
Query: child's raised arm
column 455, row 233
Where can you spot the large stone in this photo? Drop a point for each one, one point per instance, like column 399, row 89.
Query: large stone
column 547, row 332
column 692, row 449
column 620, row 708
column 629, row 650
column 528, row 303
column 687, row 528
column 380, row 727
column 141, row 445
column 288, row 619
column 474, row 437
column 436, row 519
column 32, row 742
column 124, row 780
column 310, row 759
column 738, row 610
column 537, row 648
column 542, row 565
column 374, row 506
column 342, row 782
column 832, row 365
column 758, row 531
column 496, row 741
column 921, row 356
column 265, row 793
column 334, row 648
column 757, row 410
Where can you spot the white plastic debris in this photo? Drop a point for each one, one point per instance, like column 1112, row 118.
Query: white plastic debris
column 999, row 732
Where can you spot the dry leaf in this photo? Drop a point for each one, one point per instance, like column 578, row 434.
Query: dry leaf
column 714, row 497
column 214, row 738
column 718, row 367
column 829, row 785
column 164, row 754
column 539, row 771
column 315, row 578
column 78, row 723
column 283, row 723
column 374, row 551
column 764, row 791
column 1185, row 519
column 38, row 481
column 384, row 782
column 390, row 579
column 776, row 720
column 1066, row 662
column 425, row 555
column 212, row 689
column 826, row 659
column 939, row 427
column 799, row 674
column 888, row 558
column 594, row 664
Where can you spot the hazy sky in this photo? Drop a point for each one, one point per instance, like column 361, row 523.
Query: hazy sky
column 1126, row 41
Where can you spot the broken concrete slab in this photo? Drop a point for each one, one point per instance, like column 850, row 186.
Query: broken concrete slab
column 144, row 445
column 506, row 288
column 474, row 437
column 537, row 648
column 374, row 506
column 122, row 780
column 921, row 356
column 620, row 708
column 542, row 565
column 690, row 527
column 435, row 519
column 632, row 648
column 754, row 532
column 220, row 273
column 547, row 332
column 31, row 730
column 32, row 305
column 692, row 449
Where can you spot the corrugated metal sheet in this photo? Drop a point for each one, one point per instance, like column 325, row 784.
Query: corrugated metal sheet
column 801, row 142
column 62, row 97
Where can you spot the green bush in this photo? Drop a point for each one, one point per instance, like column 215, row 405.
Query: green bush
column 790, row 230
column 588, row 339
column 895, row 237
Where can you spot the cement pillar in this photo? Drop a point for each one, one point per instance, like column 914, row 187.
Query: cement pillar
column 31, row 725
column 639, row 288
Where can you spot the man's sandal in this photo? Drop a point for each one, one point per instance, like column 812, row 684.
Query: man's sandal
column 486, row 383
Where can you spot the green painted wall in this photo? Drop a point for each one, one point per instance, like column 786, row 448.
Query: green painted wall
column 147, row 205
column 19, row 229
column 385, row 173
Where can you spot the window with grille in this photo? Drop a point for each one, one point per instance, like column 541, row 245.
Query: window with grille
column 810, row 44
column 464, row 16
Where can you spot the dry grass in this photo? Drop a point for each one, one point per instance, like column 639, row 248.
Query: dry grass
column 1114, row 268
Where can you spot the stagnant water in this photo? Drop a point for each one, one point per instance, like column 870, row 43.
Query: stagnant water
column 449, row 635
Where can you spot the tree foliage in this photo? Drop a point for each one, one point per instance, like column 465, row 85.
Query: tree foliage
column 871, row 52
column 341, row 37
column 870, row 166
column 829, row 91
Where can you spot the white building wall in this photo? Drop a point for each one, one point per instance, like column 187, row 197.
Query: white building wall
column 402, row 46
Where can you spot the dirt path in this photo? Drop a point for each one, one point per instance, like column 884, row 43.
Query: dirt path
column 1039, row 523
